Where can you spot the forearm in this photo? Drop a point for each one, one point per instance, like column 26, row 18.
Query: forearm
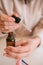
column 38, row 31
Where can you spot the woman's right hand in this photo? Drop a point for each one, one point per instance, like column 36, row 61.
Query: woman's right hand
column 7, row 23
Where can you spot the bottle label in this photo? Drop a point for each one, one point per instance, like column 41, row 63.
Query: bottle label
column 10, row 43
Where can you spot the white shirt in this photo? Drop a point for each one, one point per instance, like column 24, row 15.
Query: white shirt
column 30, row 13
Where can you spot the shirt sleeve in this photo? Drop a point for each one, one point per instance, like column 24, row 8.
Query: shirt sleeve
column 38, row 31
column 0, row 12
column 1, row 7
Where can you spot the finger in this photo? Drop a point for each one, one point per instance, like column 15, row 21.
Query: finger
column 5, row 23
column 7, row 29
column 16, row 14
column 17, row 55
column 18, row 49
column 6, row 18
column 5, row 54
column 9, row 23
column 4, row 27
column 14, row 26
column 11, row 19
column 21, row 42
column 11, row 54
column 2, row 24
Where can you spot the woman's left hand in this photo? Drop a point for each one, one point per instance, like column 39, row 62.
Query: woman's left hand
column 23, row 48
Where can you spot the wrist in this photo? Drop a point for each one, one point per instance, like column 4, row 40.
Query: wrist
column 36, row 41
column 39, row 39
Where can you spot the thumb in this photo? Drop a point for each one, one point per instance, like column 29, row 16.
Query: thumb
column 15, row 14
column 21, row 42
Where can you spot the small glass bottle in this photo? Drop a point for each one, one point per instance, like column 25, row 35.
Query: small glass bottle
column 10, row 39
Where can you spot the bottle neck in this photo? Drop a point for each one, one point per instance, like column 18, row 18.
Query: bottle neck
column 11, row 34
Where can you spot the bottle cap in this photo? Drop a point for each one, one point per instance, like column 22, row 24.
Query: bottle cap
column 16, row 18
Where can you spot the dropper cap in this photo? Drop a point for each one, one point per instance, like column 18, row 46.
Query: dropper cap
column 17, row 19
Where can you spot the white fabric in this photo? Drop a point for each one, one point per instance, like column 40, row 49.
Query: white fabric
column 30, row 14
column 27, row 13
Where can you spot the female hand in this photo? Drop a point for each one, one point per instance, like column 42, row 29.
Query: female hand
column 7, row 23
column 23, row 48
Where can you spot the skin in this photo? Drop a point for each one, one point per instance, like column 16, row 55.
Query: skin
column 23, row 47
column 18, row 52
column 7, row 23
